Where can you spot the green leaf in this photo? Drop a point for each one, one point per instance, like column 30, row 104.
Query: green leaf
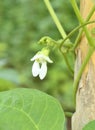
column 29, row 109
column 90, row 126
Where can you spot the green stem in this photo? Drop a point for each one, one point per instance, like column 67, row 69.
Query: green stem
column 68, row 114
column 78, row 39
column 91, row 50
column 90, row 13
column 75, row 7
column 74, row 30
column 60, row 28
column 55, row 19
column 68, row 65
column 81, row 31
column 90, row 41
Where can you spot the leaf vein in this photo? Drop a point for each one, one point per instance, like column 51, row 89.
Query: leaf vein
column 21, row 110
column 43, row 111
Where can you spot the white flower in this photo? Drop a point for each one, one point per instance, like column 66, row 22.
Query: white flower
column 40, row 65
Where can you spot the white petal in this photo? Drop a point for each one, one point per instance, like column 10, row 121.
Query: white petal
column 45, row 58
column 37, row 56
column 41, row 57
column 35, row 69
column 43, row 70
column 34, row 57
column 48, row 59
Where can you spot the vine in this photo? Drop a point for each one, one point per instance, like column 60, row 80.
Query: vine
column 65, row 45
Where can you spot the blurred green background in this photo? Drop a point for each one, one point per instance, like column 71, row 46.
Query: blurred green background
column 22, row 24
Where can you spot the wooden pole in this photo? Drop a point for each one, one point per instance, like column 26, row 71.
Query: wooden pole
column 85, row 98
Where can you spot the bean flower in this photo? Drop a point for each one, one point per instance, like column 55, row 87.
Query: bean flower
column 39, row 67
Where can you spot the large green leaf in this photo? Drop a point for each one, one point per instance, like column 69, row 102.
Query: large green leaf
column 90, row 126
column 29, row 109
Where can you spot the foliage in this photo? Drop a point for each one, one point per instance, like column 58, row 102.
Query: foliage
column 23, row 23
column 90, row 126
column 25, row 109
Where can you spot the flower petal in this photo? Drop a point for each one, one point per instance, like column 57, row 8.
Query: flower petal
column 45, row 58
column 43, row 70
column 41, row 57
column 35, row 69
column 34, row 57
column 48, row 59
